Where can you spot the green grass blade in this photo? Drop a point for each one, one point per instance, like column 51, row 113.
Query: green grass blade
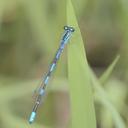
column 108, row 72
column 102, row 97
column 82, row 108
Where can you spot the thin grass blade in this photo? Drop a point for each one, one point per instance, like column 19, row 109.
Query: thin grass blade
column 105, row 76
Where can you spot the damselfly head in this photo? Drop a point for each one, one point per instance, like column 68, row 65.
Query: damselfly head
column 68, row 28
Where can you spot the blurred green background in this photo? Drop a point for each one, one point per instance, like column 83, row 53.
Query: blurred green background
column 30, row 32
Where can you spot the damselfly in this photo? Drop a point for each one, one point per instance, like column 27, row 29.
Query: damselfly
column 41, row 92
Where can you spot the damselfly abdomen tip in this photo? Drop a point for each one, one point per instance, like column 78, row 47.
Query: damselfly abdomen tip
column 32, row 117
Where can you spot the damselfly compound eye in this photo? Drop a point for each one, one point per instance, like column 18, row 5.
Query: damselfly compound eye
column 65, row 27
column 72, row 29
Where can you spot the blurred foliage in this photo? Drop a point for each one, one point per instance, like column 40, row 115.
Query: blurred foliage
column 29, row 35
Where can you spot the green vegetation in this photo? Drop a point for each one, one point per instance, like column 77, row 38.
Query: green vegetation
column 77, row 97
